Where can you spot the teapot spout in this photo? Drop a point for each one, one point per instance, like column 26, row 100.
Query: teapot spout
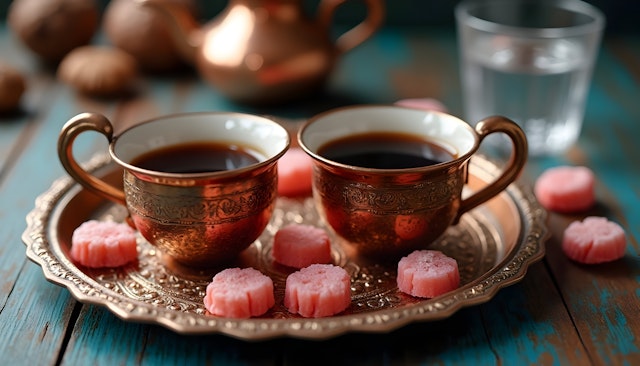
column 183, row 27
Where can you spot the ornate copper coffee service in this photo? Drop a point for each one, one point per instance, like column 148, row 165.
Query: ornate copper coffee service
column 206, row 219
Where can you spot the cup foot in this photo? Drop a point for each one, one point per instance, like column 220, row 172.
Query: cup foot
column 189, row 271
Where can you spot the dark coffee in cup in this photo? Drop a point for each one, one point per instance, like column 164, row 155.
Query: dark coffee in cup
column 385, row 150
column 197, row 157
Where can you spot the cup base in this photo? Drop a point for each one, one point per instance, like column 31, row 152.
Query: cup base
column 192, row 272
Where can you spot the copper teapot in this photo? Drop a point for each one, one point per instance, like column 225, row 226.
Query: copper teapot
column 266, row 51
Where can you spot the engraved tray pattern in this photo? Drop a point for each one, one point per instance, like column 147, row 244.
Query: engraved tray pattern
column 493, row 244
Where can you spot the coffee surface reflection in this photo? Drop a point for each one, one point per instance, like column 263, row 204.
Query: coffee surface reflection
column 386, row 150
column 202, row 157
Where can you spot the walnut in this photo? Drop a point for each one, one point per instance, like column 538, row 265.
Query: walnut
column 144, row 33
column 99, row 70
column 52, row 28
column 12, row 86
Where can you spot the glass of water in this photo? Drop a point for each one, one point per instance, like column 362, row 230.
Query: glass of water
column 531, row 61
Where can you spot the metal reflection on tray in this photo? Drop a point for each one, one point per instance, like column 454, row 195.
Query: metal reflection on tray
column 493, row 244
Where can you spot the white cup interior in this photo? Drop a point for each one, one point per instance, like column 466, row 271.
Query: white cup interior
column 265, row 137
column 442, row 129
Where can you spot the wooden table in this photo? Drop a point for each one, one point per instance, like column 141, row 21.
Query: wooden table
column 560, row 313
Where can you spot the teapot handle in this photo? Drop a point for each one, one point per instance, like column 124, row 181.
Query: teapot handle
column 359, row 33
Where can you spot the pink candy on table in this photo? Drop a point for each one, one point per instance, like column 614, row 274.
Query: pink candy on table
column 239, row 293
column 570, row 189
column 427, row 273
column 298, row 245
column 100, row 244
column 294, row 173
column 318, row 290
column 594, row 240
column 566, row 189
column 423, row 103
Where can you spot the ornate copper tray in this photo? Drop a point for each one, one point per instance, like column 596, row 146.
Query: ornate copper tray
column 493, row 244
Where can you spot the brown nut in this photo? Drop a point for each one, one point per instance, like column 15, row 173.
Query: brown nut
column 98, row 70
column 52, row 28
column 144, row 33
column 12, row 86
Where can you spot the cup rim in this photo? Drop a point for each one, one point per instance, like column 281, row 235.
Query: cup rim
column 597, row 23
column 269, row 160
column 377, row 171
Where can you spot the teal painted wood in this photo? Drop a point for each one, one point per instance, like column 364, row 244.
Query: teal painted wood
column 11, row 128
column 35, row 318
column 31, row 307
column 604, row 298
column 12, row 124
column 529, row 324
column 101, row 339
column 364, row 74
column 123, row 346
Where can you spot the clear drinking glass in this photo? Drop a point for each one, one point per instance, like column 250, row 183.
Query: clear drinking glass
column 531, row 61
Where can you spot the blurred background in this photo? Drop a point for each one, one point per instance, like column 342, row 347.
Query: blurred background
column 433, row 19
column 622, row 15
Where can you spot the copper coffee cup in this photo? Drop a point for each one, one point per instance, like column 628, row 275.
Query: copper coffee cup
column 386, row 212
column 198, row 219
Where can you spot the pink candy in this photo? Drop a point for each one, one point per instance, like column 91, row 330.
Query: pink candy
column 569, row 189
column 103, row 244
column 566, row 189
column 239, row 293
column 427, row 273
column 299, row 246
column 594, row 240
column 294, row 173
column 428, row 104
column 318, row 290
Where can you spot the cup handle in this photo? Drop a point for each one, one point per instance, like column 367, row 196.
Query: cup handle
column 75, row 126
column 516, row 163
column 362, row 31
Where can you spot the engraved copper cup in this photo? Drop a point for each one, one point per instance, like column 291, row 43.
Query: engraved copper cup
column 199, row 220
column 386, row 213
